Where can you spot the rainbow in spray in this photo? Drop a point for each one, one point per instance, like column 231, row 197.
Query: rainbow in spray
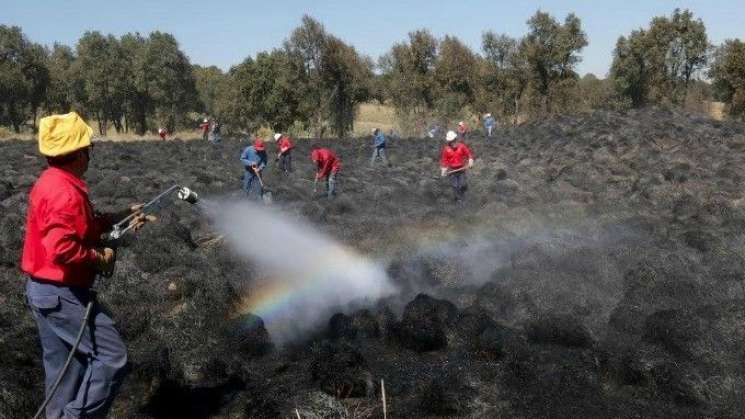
column 303, row 276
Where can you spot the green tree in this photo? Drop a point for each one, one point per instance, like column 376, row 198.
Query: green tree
column 64, row 84
column 728, row 76
column 24, row 77
column 456, row 74
column 409, row 75
column 658, row 64
column 138, row 103
column 551, row 51
column 347, row 76
column 306, row 46
column 503, row 76
column 100, row 67
column 166, row 75
column 631, row 72
column 208, row 83
column 331, row 77
column 261, row 91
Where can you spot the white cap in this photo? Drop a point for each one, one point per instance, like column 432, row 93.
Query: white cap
column 205, row 119
column 277, row 136
column 374, row 130
column 487, row 115
column 451, row 136
column 461, row 123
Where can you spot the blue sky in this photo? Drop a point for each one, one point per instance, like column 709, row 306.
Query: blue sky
column 224, row 32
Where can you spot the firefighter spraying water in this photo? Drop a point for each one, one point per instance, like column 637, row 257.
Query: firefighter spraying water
column 65, row 248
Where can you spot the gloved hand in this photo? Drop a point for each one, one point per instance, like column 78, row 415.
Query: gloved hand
column 443, row 171
column 105, row 260
column 470, row 163
column 120, row 215
column 140, row 219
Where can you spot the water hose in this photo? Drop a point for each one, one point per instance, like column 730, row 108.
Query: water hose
column 88, row 309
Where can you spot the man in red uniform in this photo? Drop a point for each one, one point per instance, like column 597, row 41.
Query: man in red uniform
column 327, row 166
column 455, row 159
column 205, row 127
column 62, row 254
column 284, row 154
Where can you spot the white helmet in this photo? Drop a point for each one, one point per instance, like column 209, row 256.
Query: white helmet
column 461, row 123
column 277, row 136
column 451, row 136
column 205, row 119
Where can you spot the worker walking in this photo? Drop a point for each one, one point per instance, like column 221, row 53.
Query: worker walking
column 62, row 254
column 284, row 153
column 489, row 124
column 254, row 160
column 379, row 143
column 455, row 159
column 205, row 127
column 214, row 136
column 327, row 167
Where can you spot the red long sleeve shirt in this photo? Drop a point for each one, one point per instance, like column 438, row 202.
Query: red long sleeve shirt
column 205, row 126
column 455, row 158
column 61, row 230
column 285, row 144
column 326, row 161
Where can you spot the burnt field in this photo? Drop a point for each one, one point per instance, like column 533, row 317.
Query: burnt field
column 595, row 270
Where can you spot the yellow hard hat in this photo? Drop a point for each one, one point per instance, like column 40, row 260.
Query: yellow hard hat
column 63, row 134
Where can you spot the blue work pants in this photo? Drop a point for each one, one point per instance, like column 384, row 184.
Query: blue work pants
column 251, row 185
column 379, row 152
column 97, row 369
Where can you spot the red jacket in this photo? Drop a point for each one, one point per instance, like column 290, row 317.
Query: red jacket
column 455, row 158
column 326, row 161
column 61, row 230
column 285, row 144
column 205, row 126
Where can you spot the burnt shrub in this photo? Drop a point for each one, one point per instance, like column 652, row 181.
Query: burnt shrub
column 340, row 370
column 560, row 330
column 340, row 326
column 446, row 394
column 424, row 323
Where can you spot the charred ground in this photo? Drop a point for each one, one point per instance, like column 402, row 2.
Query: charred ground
column 596, row 270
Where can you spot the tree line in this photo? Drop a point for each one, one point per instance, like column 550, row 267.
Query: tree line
column 315, row 81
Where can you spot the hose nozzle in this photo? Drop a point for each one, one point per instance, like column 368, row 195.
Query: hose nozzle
column 186, row 194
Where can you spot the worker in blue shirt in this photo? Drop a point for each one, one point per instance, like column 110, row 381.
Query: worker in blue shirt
column 379, row 142
column 254, row 160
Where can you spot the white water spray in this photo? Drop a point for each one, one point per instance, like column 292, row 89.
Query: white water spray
column 304, row 275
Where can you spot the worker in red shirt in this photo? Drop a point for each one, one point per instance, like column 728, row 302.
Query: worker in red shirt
column 455, row 159
column 284, row 153
column 163, row 133
column 62, row 254
column 327, row 166
column 205, row 127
